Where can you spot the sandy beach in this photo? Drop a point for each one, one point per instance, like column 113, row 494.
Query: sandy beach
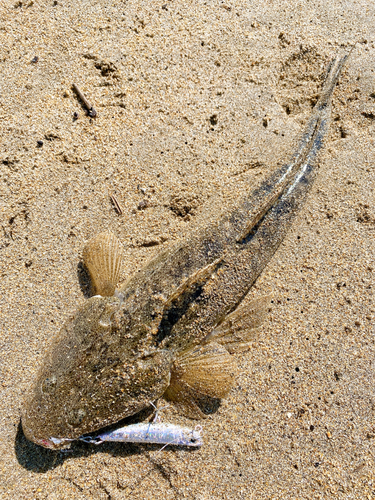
column 197, row 103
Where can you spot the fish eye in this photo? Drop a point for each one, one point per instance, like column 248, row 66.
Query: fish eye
column 110, row 309
column 76, row 417
column 193, row 440
column 49, row 384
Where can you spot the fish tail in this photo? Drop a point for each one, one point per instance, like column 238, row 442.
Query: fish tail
column 277, row 220
column 321, row 111
column 262, row 240
column 333, row 72
column 264, row 197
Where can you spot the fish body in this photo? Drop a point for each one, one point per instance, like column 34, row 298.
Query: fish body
column 170, row 329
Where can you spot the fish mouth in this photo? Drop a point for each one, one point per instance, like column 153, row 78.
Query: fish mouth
column 51, row 443
column 54, row 443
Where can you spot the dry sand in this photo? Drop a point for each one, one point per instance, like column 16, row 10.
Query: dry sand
column 197, row 102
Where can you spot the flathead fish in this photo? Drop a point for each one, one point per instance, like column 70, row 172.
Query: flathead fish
column 172, row 328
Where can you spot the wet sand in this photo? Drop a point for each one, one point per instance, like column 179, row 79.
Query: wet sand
column 197, row 102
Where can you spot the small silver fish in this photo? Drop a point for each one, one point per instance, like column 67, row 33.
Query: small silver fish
column 150, row 433
column 172, row 328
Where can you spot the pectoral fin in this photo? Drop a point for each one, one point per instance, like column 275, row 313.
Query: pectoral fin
column 183, row 398
column 240, row 327
column 203, row 370
column 102, row 257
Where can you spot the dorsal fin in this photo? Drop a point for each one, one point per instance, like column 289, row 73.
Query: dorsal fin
column 184, row 297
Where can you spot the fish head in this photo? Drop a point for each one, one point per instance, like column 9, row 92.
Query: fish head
column 91, row 377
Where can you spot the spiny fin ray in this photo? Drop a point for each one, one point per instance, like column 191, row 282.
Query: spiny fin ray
column 241, row 326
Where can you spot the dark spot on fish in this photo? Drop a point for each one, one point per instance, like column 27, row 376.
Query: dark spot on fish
column 113, row 361
column 176, row 311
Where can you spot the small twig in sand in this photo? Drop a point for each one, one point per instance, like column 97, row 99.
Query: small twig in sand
column 116, row 204
column 91, row 111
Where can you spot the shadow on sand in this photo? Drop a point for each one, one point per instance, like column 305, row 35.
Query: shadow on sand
column 38, row 459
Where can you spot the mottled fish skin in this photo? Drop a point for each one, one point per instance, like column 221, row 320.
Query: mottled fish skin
column 82, row 378
column 115, row 355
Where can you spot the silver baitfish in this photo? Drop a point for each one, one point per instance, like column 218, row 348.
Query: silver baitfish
column 147, row 433
column 172, row 328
